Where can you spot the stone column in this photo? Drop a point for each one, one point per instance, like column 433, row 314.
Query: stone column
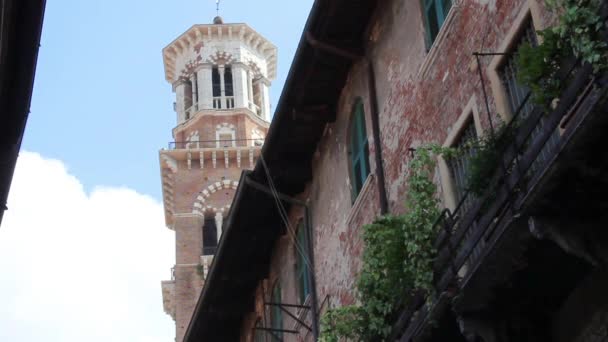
column 179, row 87
column 222, row 70
column 194, row 92
column 250, row 89
column 205, row 92
column 265, row 100
column 219, row 218
column 239, row 80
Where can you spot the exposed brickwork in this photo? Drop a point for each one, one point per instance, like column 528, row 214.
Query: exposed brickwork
column 421, row 93
column 243, row 122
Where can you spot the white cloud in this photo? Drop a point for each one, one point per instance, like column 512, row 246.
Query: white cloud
column 81, row 267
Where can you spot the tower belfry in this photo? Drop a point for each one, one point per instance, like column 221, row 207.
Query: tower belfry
column 220, row 74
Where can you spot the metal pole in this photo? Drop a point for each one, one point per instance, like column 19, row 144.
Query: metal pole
column 483, row 89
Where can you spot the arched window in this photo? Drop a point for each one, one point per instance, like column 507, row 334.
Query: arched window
column 302, row 267
column 257, row 138
column 209, row 236
column 225, row 135
column 216, row 82
column 188, row 100
column 228, row 87
column 358, row 149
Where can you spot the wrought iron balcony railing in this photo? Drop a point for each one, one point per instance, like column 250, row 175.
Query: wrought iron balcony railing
column 212, row 144
column 467, row 234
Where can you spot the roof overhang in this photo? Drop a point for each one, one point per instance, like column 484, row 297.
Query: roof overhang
column 20, row 28
column 332, row 39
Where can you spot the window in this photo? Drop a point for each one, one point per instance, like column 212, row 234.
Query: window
column 257, row 138
column 257, row 96
column 216, row 82
column 459, row 165
column 359, row 150
column 225, row 135
column 187, row 99
column 276, row 315
column 226, row 139
column 516, row 93
column 302, row 269
column 228, row 88
column 435, row 12
column 209, row 236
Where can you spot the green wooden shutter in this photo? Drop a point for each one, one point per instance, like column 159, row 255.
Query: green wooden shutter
column 435, row 12
column 302, row 271
column 359, row 148
column 276, row 313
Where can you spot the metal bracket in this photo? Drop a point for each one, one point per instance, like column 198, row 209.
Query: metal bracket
column 282, row 306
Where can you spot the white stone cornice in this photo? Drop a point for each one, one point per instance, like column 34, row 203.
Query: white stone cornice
column 178, row 53
column 170, row 162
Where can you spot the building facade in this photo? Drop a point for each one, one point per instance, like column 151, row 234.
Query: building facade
column 221, row 74
column 373, row 81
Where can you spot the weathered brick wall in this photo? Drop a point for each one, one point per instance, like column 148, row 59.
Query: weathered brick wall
column 193, row 190
column 189, row 183
column 421, row 93
column 207, row 125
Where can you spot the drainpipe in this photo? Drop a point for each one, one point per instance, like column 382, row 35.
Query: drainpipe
column 312, row 283
column 373, row 99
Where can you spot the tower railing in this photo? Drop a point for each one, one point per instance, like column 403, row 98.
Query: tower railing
column 255, row 108
column 223, row 102
column 214, row 144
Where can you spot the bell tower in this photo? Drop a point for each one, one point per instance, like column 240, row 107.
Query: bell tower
column 220, row 74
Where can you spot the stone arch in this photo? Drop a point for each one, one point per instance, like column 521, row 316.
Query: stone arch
column 193, row 140
column 220, row 58
column 254, row 69
column 201, row 206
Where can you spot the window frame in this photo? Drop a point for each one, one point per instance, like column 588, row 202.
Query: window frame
column 358, row 149
column 440, row 14
column 302, row 270
column 208, row 225
column 468, row 114
column 530, row 11
column 276, row 314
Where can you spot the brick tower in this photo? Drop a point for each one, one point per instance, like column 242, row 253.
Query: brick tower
column 221, row 75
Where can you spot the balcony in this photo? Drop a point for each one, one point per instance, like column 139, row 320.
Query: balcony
column 226, row 102
column 215, row 144
column 544, row 153
column 255, row 108
column 240, row 153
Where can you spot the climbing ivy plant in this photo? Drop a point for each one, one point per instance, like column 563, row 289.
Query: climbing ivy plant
column 577, row 33
column 397, row 259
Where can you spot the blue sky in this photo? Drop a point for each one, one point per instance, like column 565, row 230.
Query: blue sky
column 83, row 246
column 100, row 102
